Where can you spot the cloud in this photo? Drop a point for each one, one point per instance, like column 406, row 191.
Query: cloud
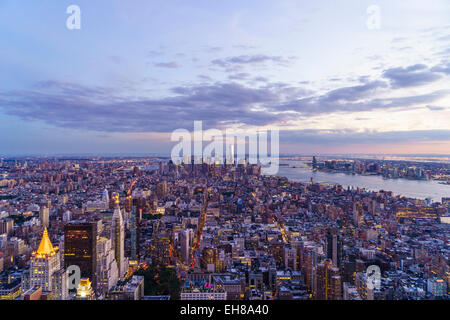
column 415, row 75
column 218, row 104
column 354, row 93
column 109, row 110
column 232, row 63
column 349, row 137
column 170, row 65
column 435, row 108
column 442, row 68
column 204, row 77
column 68, row 89
column 244, row 46
column 213, row 49
column 358, row 98
column 239, row 76
column 155, row 53
column 260, row 79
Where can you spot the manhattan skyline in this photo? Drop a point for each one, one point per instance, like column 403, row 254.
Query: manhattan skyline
column 225, row 158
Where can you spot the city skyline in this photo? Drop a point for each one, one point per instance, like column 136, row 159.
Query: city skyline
column 150, row 229
column 216, row 159
column 135, row 72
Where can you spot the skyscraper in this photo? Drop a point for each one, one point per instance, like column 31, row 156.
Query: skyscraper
column 335, row 285
column 184, row 245
column 134, row 229
column 80, row 248
column 358, row 214
column 328, row 282
column 59, row 285
column 161, row 189
column 118, row 238
column 107, row 273
column 6, row 226
column 161, row 249
column 44, row 216
column 45, row 261
column 105, row 198
column 322, row 280
column 210, row 259
column 290, row 257
column 334, row 247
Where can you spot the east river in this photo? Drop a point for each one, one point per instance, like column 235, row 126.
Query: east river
column 419, row 189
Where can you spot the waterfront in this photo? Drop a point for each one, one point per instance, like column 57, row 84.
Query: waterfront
column 419, row 189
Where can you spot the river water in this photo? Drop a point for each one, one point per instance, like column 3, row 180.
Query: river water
column 419, row 189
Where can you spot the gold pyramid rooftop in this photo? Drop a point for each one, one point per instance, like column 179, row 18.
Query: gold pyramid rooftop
column 45, row 247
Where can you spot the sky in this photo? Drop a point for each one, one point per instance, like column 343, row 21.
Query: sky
column 322, row 72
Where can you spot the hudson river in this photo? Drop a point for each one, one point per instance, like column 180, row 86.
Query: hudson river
column 419, row 189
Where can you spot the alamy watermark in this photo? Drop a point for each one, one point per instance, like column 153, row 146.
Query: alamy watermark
column 373, row 21
column 73, row 22
column 73, row 277
column 373, row 277
column 252, row 146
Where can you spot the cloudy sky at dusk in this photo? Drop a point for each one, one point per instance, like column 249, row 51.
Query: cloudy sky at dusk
column 137, row 70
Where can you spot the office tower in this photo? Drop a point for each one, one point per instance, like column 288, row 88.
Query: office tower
column 239, row 206
column 3, row 240
column 358, row 214
column 348, row 271
column 118, row 238
column 134, row 229
column 128, row 203
column 46, row 202
column 63, row 199
column 314, row 162
column 80, row 248
column 334, row 288
column 45, row 261
column 16, row 246
column 210, row 259
column 6, row 226
column 133, row 240
column 105, row 198
column 107, row 273
column 59, row 285
column 322, row 279
column 44, row 216
column 161, row 248
column 161, row 189
column 334, row 247
column 67, row 216
column 290, row 257
column 185, row 245
column 329, row 283
column 309, row 267
column 437, row 287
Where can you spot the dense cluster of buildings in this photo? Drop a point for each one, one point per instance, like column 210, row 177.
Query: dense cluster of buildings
column 386, row 168
column 228, row 232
